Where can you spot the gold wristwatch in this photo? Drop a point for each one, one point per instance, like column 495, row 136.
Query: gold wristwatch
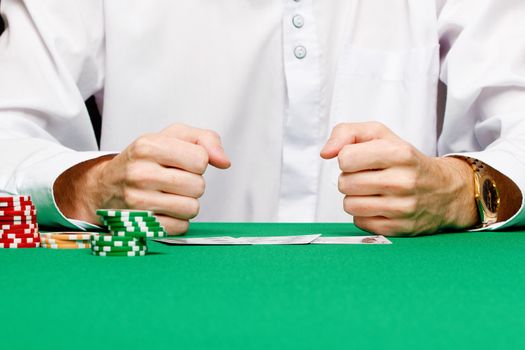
column 486, row 193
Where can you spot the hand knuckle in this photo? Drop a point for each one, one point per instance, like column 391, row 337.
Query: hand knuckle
column 142, row 147
column 410, row 183
column 193, row 208
column 212, row 134
column 201, row 160
column 362, row 223
column 349, row 205
column 201, row 186
column 410, row 206
column 377, row 126
column 182, row 227
column 175, row 127
column 406, row 152
column 340, row 126
column 131, row 198
column 341, row 183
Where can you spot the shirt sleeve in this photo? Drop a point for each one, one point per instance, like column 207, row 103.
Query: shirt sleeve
column 483, row 68
column 51, row 60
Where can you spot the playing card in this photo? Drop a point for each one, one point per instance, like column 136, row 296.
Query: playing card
column 304, row 239
column 226, row 240
column 352, row 240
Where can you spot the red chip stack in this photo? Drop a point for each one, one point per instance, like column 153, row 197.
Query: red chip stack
column 18, row 224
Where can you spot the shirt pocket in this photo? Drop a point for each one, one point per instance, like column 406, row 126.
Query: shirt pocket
column 395, row 87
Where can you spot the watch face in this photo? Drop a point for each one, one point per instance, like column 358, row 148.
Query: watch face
column 490, row 195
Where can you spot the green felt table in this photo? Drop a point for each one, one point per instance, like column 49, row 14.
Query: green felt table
column 459, row 290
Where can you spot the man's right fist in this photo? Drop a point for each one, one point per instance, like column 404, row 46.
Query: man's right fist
column 160, row 172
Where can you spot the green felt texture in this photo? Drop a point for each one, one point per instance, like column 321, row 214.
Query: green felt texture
column 464, row 290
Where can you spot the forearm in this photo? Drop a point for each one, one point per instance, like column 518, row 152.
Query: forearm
column 79, row 191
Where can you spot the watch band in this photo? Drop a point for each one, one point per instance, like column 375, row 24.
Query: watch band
column 486, row 193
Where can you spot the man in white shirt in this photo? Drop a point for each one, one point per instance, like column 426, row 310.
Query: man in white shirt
column 281, row 82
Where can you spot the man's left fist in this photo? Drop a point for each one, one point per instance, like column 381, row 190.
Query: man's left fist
column 393, row 189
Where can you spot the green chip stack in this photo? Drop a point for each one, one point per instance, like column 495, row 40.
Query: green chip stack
column 129, row 230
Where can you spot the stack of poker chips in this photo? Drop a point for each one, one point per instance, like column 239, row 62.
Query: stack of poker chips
column 129, row 231
column 18, row 223
column 65, row 240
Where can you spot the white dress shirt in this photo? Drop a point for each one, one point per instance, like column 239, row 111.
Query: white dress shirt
column 272, row 77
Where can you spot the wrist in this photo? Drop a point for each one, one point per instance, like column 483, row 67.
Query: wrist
column 461, row 211
column 80, row 190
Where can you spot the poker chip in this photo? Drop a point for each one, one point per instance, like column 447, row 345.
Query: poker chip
column 18, row 223
column 128, row 232
column 134, row 243
column 5, row 227
column 140, row 253
column 66, row 240
column 72, row 245
column 107, row 248
column 15, row 200
column 17, row 235
column 149, row 224
column 18, row 220
column 113, row 213
column 18, row 240
column 30, row 212
column 67, row 236
column 20, row 245
column 20, row 232
column 135, row 219
column 136, row 228
column 110, row 238
column 58, row 241
column 18, row 208
column 141, row 234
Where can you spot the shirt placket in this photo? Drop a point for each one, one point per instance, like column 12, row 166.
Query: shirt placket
column 300, row 154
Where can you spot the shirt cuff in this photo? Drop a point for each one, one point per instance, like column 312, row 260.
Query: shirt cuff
column 39, row 185
column 509, row 165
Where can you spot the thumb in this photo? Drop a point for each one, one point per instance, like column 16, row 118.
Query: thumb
column 210, row 140
column 349, row 133
column 217, row 156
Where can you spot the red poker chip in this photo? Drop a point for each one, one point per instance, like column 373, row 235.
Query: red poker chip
column 20, row 245
column 33, row 231
column 24, row 205
column 17, row 219
column 30, row 212
column 15, row 199
column 6, row 224
column 9, row 227
column 19, row 240
column 18, row 234
column 18, row 207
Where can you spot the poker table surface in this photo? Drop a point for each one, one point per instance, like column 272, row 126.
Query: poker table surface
column 453, row 290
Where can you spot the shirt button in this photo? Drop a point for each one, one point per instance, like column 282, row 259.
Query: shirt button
column 300, row 52
column 298, row 21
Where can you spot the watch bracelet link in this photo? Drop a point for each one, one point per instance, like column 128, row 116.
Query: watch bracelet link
column 486, row 217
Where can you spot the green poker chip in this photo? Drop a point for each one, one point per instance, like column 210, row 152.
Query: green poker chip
column 141, row 234
column 132, row 221
column 112, row 238
column 141, row 253
column 136, row 229
column 115, row 227
column 124, row 213
column 135, row 242
column 106, row 248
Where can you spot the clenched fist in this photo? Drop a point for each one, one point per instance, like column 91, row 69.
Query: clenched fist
column 393, row 189
column 160, row 172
